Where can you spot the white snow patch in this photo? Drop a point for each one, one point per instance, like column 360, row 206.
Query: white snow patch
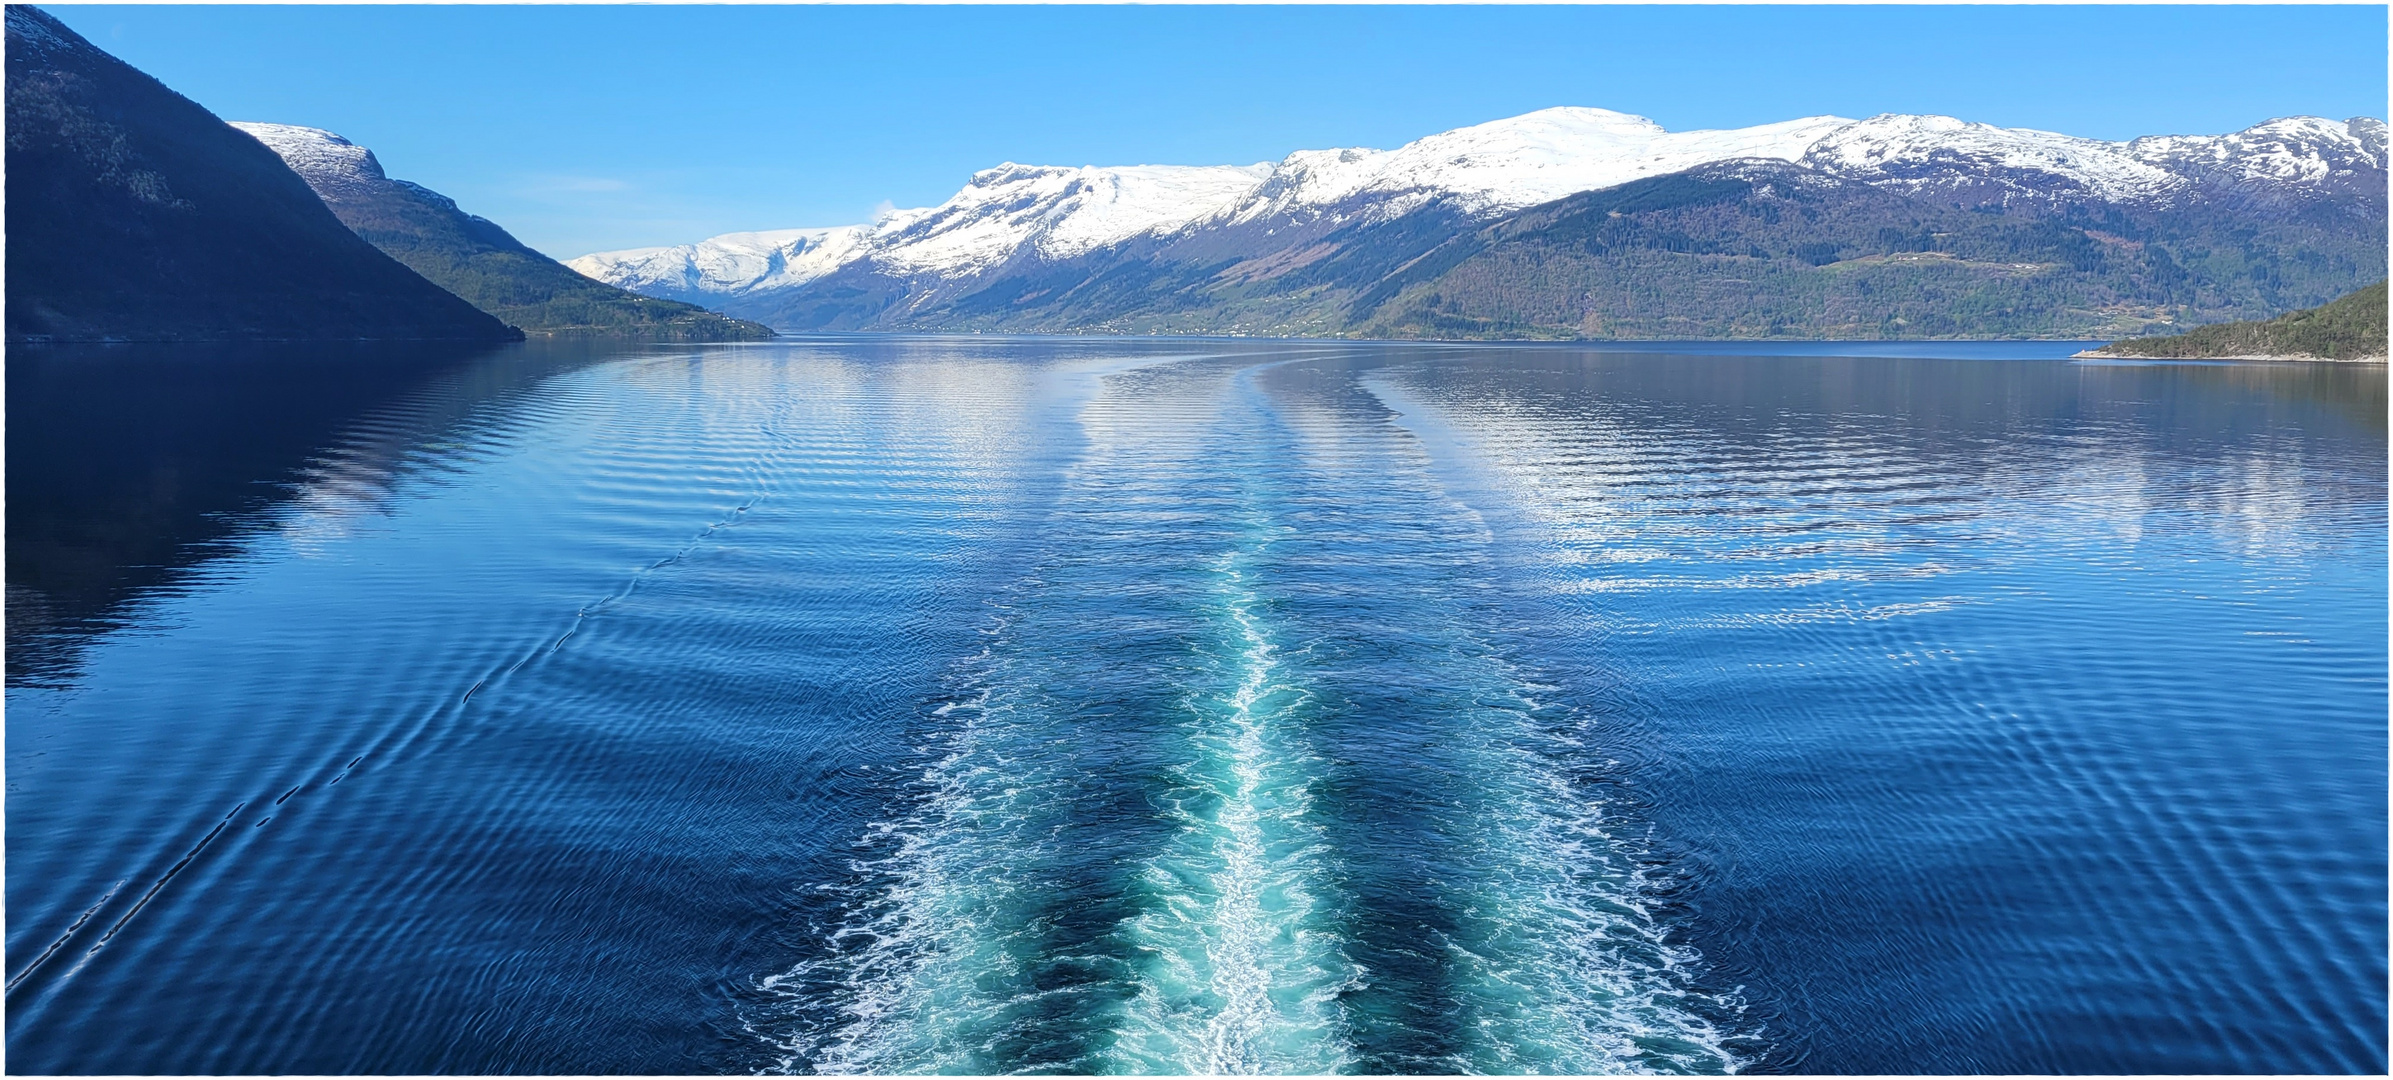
column 1526, row 160
column 318, row 156
column 1904, row 151
column 2291, row 150
column 1057, row 213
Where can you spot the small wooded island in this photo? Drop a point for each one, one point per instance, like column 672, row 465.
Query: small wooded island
column 2350, row 329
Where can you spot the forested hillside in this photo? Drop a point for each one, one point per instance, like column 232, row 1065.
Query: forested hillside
column 2351, row 328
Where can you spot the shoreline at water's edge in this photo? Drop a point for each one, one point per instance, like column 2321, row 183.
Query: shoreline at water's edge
column 242, row 339
column 578, row 334
column 2279, row 358
column 784, row 334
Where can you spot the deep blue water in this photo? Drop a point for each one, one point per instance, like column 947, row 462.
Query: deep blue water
column 1136, row 706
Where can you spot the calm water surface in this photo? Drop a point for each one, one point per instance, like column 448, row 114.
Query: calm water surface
column 1097, row 706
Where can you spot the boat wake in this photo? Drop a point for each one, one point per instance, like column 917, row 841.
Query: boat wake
column 1241, row 963
column 1118, row 856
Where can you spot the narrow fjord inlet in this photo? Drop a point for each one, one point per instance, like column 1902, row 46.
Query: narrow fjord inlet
column 938, row 705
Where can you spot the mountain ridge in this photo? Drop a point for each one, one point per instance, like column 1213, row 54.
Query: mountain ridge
column 1033, row 233
column 474, row 257
column 134, row 214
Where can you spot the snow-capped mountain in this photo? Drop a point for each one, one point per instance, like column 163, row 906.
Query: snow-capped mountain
column 1060, row 212
column 1518, row 162
column 471, row 256
column 1920, row 154
column 2297, row 155
column 728, row 264
column 1320, row 240
column 2294, row 157
column 323, row 159
column 342, row 172
column 1015, row 212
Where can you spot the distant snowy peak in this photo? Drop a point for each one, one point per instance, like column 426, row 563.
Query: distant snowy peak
column 731, row 263
column 1939, row 154
column 1542, row 156
column 2297, row 151
column 1014, row 212
column 1508, row 164
column 1058, row 212
column 1005, row 212
column 326, row 161
column 335, row 168
column 1925, row 153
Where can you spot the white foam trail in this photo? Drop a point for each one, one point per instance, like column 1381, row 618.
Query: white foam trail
column 1556, row 959
column 1236, row 965
column 1559, row 956
column 1243, row 969
column 943, row 905
column 1229, row 954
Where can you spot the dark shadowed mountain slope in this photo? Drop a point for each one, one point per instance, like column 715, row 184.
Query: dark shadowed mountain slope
column 475, row 258
column 2352, row 328
column 135, row 214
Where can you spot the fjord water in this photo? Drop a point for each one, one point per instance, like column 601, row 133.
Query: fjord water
column 1101, row 706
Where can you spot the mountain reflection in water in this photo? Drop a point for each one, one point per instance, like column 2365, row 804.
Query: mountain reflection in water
column 129, row 466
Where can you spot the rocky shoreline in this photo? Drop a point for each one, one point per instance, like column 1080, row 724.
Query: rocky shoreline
column 2267, row 358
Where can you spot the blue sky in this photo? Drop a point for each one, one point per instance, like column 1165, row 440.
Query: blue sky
column 592, row 128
